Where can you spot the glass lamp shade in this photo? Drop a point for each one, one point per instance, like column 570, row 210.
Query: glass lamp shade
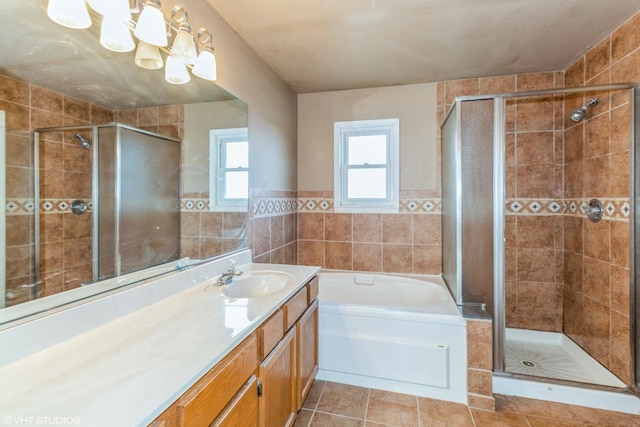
column 115, row 35
column 205, row 67
column 148, row 56
column 151, row 27
column 69, row 13
column 183, row 46
column 176, row 71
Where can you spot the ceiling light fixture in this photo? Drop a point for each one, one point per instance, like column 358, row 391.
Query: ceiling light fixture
column 205, row 66
column 148, row 56
column 152, row 31
column 69, row 13
column 151, row 27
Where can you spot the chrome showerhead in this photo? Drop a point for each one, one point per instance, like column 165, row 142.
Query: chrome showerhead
column 579, row 114
column 83, row 141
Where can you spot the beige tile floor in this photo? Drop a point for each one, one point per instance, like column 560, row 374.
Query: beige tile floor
column 338, row 405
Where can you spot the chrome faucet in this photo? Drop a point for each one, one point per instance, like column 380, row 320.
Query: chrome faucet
column 183, row 264
column 228, row 276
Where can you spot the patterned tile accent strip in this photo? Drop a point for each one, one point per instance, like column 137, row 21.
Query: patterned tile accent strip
column 60, row 205
column 194, row 205
column 407, row 206
column 273, row 206
column 20, row 206
column 614, row 208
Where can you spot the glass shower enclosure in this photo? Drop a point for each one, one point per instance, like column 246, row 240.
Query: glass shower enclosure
column 518, row 176
column 108, row 203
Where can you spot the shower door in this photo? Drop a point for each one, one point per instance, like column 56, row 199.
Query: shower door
column 137, row 200
column 468, row 201
column 112, row 209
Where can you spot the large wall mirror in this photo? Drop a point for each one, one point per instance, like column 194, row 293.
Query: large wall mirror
column 65, row 100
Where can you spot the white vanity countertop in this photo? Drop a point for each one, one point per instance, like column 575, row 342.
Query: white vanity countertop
column 127, row 371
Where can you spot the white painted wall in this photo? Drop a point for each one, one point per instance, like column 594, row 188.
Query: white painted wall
column 272, row 105
column 414, row 105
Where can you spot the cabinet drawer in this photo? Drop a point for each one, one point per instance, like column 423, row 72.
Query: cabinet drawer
column 313, row 289
column 243, row 409
column 270, row 334
column 294, row 308
column 204, row 401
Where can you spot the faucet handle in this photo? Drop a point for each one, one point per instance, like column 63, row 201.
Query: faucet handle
column 233, row 266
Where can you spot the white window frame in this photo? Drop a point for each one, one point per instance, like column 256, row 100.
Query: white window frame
column 342, row 131
column 217, row 139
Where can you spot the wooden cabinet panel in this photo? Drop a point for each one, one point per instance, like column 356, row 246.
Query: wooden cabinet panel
column 278, row 403
column 204, row 401
column 243, row 409
column 270, row 333
column 294, row 308
column 307, row 352
column 313, row 289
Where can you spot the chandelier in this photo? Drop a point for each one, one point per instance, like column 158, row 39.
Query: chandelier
column 152, row 31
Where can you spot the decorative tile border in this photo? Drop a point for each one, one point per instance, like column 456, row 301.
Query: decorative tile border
column 613, row 207
column 273, row 206
column 20, row 206
column 60, row 205
column 194, row 205
column 407, row 206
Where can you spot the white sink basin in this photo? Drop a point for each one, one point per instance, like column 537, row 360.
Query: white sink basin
column 253, row 284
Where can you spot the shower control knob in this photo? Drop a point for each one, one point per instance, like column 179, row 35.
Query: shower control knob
column 78, row 207
column 594, row 210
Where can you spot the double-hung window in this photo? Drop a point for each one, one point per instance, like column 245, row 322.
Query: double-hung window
column 366, row 175
column 229, row 169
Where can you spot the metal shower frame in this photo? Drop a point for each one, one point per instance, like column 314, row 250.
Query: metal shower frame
column 499, row 200
column 94, row 187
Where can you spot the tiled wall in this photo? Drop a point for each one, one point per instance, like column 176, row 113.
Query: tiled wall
column 273, row 225
column 597, row 293
column 406, row 242
column 63, row 172
column 205, row 234
column 534, row 185
column 564, row 272
column 480, row 364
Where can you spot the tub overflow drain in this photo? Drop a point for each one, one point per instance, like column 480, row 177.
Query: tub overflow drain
column 528, row 364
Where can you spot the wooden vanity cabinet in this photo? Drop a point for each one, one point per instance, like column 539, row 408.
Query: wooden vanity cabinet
column 241, row 391
column 307, row 352
column 278, row 400
column 243, row 409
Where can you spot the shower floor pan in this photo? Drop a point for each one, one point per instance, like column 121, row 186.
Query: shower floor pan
column 553, row 355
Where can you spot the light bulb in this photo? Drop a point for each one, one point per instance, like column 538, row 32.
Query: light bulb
column 69, row 13
column 205, row 67
column 175, row 71
column 151, row 27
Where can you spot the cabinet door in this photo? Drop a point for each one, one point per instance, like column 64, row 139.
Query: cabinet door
column 278, row 403
column 307, row 355
column 243, row 409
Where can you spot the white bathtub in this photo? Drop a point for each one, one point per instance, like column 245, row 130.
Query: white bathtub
column 392, row 333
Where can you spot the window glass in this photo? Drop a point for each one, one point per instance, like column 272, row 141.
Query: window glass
column 236, row 185
column 237, row 154
column 367, row 150
column 367, row 184
column 366, row 165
